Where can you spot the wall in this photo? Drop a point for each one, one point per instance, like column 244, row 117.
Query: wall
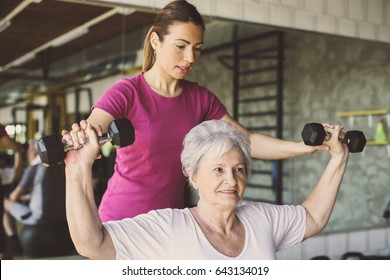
column 325, row 75
column 365, row 19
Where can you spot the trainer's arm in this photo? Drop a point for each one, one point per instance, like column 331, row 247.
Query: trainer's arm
column 89, row 236
column 320, row 202
column 98, row 117
column 270, row 148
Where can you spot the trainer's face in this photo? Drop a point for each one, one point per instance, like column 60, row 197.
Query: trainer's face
column 179, row 50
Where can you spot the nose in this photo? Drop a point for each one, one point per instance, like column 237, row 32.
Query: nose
column 189, row 55
column 230, row 179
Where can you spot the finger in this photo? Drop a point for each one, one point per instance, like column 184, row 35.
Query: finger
column 75, row 140
column 75, row 127
column 329, row 131
column 322, row 147
column 332, row 126
column 66, row 138
column 99, row 130
column 83, row 124
column 64, row 132
column 328, row 125
column 81, row 136
column 336, row 133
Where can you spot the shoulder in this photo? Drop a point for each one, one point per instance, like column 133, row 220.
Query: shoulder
column 270, row 210
column 167, row 215
column 153, row 221
column 128, row 82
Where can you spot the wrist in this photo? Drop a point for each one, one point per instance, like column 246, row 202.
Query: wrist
column 76, row 171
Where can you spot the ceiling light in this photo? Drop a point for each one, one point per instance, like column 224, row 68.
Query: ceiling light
column 70, row 36
column 4, row 24
column 124, row 11
column 23, row 59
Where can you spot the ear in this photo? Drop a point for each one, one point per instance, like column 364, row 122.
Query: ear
column 154, row 40
column 192, row 179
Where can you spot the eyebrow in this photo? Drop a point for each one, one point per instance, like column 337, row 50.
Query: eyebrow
column 223, row 165
column 188, row 42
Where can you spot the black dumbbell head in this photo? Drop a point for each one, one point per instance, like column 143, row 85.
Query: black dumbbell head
column 355, row 141
column 121, row 132
column 51, row 150
column 313, row 134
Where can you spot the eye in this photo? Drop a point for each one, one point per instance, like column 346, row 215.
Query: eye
column 240, row 170
column 198, row 49
column 218, row 170
column 180, row 47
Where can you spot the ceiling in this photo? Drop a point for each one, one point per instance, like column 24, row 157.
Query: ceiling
column 35, row 59
column 51, row 46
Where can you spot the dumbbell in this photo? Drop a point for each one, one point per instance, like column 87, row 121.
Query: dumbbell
column 52, row 150
column 313, row 134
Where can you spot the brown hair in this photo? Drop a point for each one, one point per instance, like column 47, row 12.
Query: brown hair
column 176, row 11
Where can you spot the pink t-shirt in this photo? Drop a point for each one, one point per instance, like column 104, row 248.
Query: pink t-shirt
column 148, row 173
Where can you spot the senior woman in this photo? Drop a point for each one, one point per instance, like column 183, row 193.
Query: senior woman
column 216, row 159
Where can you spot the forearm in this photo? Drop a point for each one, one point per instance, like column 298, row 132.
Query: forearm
column 16, row 194
column 320, row 202
column 18, row 160
column 84, row 223
column 270, row 148
column 267, row 147
column 100, row 117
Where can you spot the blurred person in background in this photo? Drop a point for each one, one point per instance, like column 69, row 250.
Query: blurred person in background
column 9, row 143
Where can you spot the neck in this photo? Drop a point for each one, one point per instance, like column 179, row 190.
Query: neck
column 162, row 85
column 219, row 221
column 223, row 229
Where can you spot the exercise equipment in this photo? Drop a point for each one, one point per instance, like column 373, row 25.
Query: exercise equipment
column 313, row 134
column 52, row 150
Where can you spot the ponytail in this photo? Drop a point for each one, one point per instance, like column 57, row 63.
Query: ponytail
column 149, row 57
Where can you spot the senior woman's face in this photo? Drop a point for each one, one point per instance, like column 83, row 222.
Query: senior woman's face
column 221, row 179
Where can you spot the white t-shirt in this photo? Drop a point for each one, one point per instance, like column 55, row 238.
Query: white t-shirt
column 174, row 233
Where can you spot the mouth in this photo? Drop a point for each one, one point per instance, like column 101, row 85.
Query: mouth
column 185, row 69
column 229, row 192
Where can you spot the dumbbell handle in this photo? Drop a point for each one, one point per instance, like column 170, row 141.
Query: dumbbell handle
column 102, row 140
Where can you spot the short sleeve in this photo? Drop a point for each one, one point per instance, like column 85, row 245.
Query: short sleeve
column 146, row 236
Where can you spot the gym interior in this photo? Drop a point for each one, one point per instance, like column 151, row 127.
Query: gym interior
column 275, row 64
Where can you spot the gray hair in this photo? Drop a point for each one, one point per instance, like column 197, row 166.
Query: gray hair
column 216, row 134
